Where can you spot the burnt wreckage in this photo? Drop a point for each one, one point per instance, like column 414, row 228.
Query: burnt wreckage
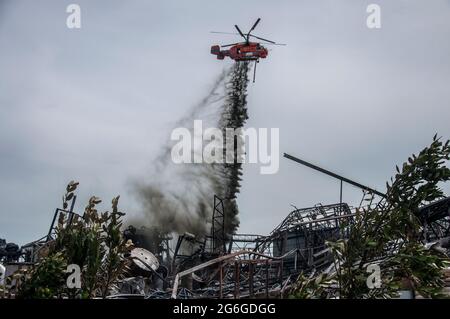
column 240, row 266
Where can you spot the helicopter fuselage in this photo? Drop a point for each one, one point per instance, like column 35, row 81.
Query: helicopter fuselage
column 250, row 51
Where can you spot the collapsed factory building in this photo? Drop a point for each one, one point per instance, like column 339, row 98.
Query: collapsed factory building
column 218, row 265
column 243, row 266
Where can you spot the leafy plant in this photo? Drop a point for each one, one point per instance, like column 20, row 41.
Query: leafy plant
column 93, row 241
column 113, row 266
column 389, row 235
column 47, row 279
column 313, row 287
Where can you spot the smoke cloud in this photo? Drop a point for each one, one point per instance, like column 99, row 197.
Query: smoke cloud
column 179, row 197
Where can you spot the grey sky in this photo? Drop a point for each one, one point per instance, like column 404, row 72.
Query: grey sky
column 96, row 104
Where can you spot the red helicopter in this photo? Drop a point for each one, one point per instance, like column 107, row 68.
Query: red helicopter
column 244, row 51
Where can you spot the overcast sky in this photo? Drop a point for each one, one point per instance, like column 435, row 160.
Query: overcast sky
column 96, row 104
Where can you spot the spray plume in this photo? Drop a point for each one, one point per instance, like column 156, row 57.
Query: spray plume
column 179, row 197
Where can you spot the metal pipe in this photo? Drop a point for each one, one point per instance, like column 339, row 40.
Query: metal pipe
column 341, row 178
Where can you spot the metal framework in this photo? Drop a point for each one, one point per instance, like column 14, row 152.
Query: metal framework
column 316, row 217
column 218, row 227
column 307, row 230
column 246, row 241
column 70, row 215
column 241, row 275
column 436, row 219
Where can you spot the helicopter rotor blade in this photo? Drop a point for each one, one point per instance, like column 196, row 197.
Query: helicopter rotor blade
column 275, row 43
column 254, row 26
column 270, row 41
column 219, row 32
column 240, row 32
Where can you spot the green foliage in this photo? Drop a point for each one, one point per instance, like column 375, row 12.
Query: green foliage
column 46, row 280
column 422, row 267
column 313, row 287
column 94, row 242
column 114, row 265
column 389, row 235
